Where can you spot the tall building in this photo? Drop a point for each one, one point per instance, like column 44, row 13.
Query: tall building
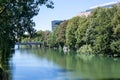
column 55, row 23
column 106, row 5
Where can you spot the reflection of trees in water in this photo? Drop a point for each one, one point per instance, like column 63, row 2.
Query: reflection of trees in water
column 4, row 62
column 85, row 66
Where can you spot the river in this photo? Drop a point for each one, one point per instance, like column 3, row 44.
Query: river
column 48, row 64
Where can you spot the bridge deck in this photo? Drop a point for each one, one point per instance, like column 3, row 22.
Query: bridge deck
column 29, row 43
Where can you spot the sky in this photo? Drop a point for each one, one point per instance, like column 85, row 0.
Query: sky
column 63, row 10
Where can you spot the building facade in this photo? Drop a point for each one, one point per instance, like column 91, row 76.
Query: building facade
column 55, row 23
column 88, row 11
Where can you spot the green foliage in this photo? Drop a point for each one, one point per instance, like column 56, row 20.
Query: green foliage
column 70, row 32
column 39, row 36
column 16, row 18
column 100, row 30
column 116, row 23
column 99, row 33
column 115, row 46
column 61, row 33
column 54, row 36
column 85, row 49
column 117, row 30
column 81, row 32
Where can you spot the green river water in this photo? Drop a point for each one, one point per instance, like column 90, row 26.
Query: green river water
column 49, row 64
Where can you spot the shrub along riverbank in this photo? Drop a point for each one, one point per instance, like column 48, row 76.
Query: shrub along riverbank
column 99, row 33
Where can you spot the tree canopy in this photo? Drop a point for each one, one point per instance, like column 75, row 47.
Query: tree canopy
column 98, row 33
column 70, row 32
column 16, row 18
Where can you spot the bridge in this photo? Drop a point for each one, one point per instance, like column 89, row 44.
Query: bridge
column 29, row 44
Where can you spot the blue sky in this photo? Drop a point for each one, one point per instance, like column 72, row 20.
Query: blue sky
column 63, row 10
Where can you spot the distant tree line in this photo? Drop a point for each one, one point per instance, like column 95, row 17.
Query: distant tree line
column 99, row 33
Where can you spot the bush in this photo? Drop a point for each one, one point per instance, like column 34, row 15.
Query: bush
column 85, row 49
column 115, row 46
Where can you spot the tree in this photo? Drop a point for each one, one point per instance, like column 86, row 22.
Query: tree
column 61, row 33
column 99, row 33
column 81, row 31
column 45, row 35
column 16, row 18
column 115, row 45
column 70, row 32
column 53, row 37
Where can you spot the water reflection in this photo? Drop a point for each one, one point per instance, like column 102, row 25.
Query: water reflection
column 81, row 67
column 91, row 68
column 5, row 70
column 48, row 64
column 29, row 65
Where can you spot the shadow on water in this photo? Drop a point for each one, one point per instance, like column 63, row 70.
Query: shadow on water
column 5, row 73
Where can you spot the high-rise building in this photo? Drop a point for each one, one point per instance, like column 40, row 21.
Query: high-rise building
column 55, row 23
